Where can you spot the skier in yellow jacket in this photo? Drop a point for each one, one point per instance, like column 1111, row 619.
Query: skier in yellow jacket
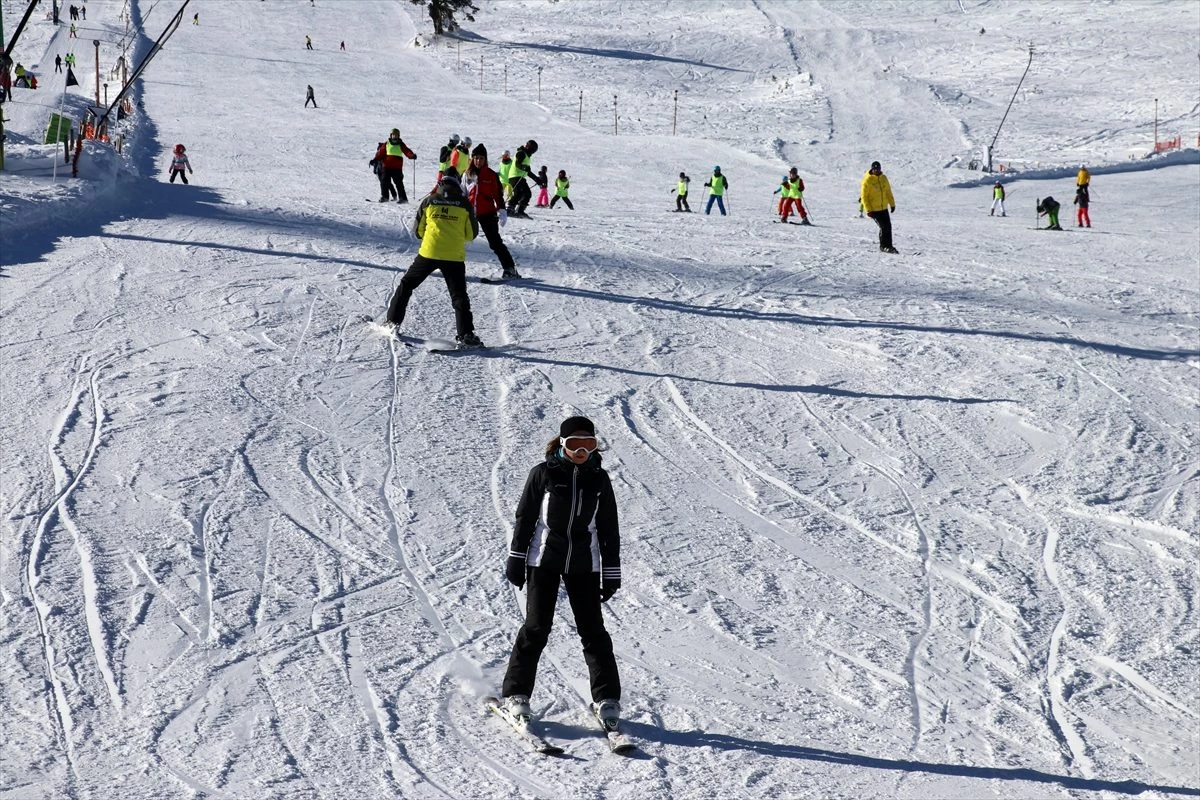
column 875, row 194
column 444, row 224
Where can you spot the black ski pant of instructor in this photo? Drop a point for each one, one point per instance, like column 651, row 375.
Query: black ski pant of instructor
column 455, row 274
column 884, row 220
column 583, row 592
column 521, row 195
column 490, row 225
column 393, row 179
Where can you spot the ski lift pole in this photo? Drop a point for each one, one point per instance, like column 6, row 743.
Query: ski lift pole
column 1010, row 105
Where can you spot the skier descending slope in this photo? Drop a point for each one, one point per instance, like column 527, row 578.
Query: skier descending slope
column 445, row 223
column 566, row 532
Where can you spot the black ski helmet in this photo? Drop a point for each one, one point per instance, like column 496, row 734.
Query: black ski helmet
column 531, row 146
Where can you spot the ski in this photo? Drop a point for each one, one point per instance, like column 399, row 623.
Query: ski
column 522, row 728
column 618, row 742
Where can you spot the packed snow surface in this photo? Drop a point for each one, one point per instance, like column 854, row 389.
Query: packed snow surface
column 916, row 526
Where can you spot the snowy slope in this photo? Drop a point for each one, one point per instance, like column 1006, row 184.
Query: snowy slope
column 915, row 526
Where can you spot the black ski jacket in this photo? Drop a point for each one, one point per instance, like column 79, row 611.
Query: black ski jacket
column 567, row 519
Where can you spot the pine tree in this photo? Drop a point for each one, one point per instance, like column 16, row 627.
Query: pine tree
column 442, row 13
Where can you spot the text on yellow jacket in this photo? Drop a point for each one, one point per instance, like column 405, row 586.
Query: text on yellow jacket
column 445, row 223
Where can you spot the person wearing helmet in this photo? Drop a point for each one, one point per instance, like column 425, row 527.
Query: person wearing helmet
column 717, row 185
column 388, row 164
column 444, row 225
column 460, row 159
column 542, row 179
column 1083, row 179
column 444, row 156
column 520, row 170
column 997, row 199
column 179, row 163
column 505, row 172
column 1082, row 218
column 875, row 194
column 681, row 193
column 561, row 186
column 797, row 191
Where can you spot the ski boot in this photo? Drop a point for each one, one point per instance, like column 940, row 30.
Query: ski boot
column 517, row 707
column 608, row 712
column 469, row 341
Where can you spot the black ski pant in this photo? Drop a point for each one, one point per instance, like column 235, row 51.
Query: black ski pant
column 178, row 172
column 490, row 224
column 681, row 203
column 310, row 99
column 884, row 220
column 520, row 196
column 566, row 200
column 455, row 274
column 583, row 592
column 393, row 182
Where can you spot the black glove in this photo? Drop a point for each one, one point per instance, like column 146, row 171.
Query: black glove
column 515, row 570
column 608, row 587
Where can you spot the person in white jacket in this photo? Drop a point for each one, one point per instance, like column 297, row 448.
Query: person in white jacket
column 179, row 163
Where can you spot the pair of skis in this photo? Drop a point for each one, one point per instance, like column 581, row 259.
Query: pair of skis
column 618, row 742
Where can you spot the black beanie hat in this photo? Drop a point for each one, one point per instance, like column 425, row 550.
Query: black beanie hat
column 479, row 150
column 574, row 424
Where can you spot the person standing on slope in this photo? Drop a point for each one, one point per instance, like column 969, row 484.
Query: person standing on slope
column 1083, row 179
column 520, row 169
column 444, row 156
column 875, row 194
column 784, row 190
column 460, row 159
column 997, row 199
column 798, row 195
column 562, row 185
column 1082, row 217
column 681, row 193
column 542, row 179
column 505, row 172
column 179, row 163
column 717, row 186
column 310, row 97
column 390, row 160
column 444, row 224
column 487, row 201
column 566, row 532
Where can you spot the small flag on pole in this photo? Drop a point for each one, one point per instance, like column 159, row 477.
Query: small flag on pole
column 71, row 78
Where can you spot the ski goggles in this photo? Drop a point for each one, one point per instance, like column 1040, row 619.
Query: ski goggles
column 574, row 444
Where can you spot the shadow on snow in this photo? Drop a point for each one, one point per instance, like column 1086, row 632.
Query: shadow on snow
column 732, row 743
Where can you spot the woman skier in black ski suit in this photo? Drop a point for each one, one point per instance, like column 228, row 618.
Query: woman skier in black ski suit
column 566, row 531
